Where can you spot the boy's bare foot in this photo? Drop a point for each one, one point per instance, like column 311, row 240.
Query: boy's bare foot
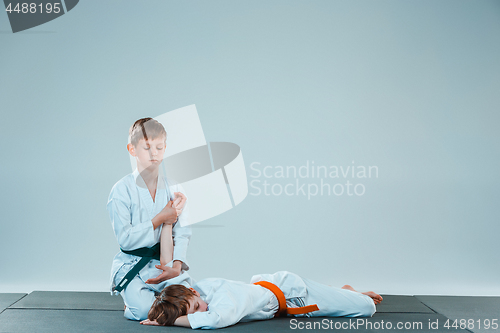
column 348, row 287
column 375, row 297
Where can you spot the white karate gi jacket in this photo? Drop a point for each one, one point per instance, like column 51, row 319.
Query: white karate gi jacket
column 131, row 210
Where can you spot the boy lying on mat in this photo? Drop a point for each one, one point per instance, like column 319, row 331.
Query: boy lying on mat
column 217, row 303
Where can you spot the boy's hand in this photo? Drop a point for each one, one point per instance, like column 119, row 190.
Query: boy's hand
column 179, row 202
column 167, row 274
column 149, row 322
column 168, row 215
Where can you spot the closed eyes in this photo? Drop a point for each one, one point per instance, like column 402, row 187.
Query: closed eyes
column 158, row 148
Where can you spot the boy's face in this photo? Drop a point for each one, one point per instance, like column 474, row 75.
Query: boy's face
column 148, row 154
column 196, row 304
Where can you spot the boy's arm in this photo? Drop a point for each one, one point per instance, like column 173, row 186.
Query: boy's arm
column 166, row 245
column 221, row 318
column 181, row 235
column 182, row 321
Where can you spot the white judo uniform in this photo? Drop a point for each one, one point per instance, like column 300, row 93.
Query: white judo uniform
column 131, row 210
column 230, row 302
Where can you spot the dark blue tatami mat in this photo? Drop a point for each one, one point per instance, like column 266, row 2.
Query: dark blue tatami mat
column 55, row 321
column 397, row 303
column 89, row 311
column 478, row 311
column 70, row 300
column 64, row 321
column 7, row 299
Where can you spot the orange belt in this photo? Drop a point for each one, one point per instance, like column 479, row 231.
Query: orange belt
column 283, row 309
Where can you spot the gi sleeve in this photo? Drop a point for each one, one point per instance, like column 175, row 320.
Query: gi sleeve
column 211, row 319
column 226, row 307
column 181, row 234
column 130, row 236
column 205, row 320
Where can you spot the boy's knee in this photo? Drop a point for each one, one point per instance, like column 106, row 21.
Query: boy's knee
column 137, row 299
column 136, row 313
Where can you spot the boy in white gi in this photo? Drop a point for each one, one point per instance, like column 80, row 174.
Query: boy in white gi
column 218, row 303
column 142, row 208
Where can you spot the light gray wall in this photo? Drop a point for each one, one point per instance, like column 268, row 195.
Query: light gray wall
column 411, row 87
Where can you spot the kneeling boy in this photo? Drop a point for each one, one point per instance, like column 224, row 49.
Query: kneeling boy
column 144, row 207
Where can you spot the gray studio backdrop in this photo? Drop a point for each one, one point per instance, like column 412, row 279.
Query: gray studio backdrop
column 411, row 87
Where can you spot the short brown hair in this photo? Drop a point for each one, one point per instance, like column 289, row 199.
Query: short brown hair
column 146, row 128
column 172, row 303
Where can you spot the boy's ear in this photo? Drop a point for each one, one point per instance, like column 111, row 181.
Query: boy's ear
column 131, row 149
column 195, row 292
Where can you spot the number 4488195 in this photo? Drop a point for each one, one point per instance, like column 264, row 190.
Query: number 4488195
column 34, row 8
column 472, row 324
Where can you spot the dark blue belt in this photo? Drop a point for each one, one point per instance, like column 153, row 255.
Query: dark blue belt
column 146, row 254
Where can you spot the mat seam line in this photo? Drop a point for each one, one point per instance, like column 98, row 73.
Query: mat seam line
column 60, row 309
column 465, row 329
column 426, row 305
column 13, row 303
